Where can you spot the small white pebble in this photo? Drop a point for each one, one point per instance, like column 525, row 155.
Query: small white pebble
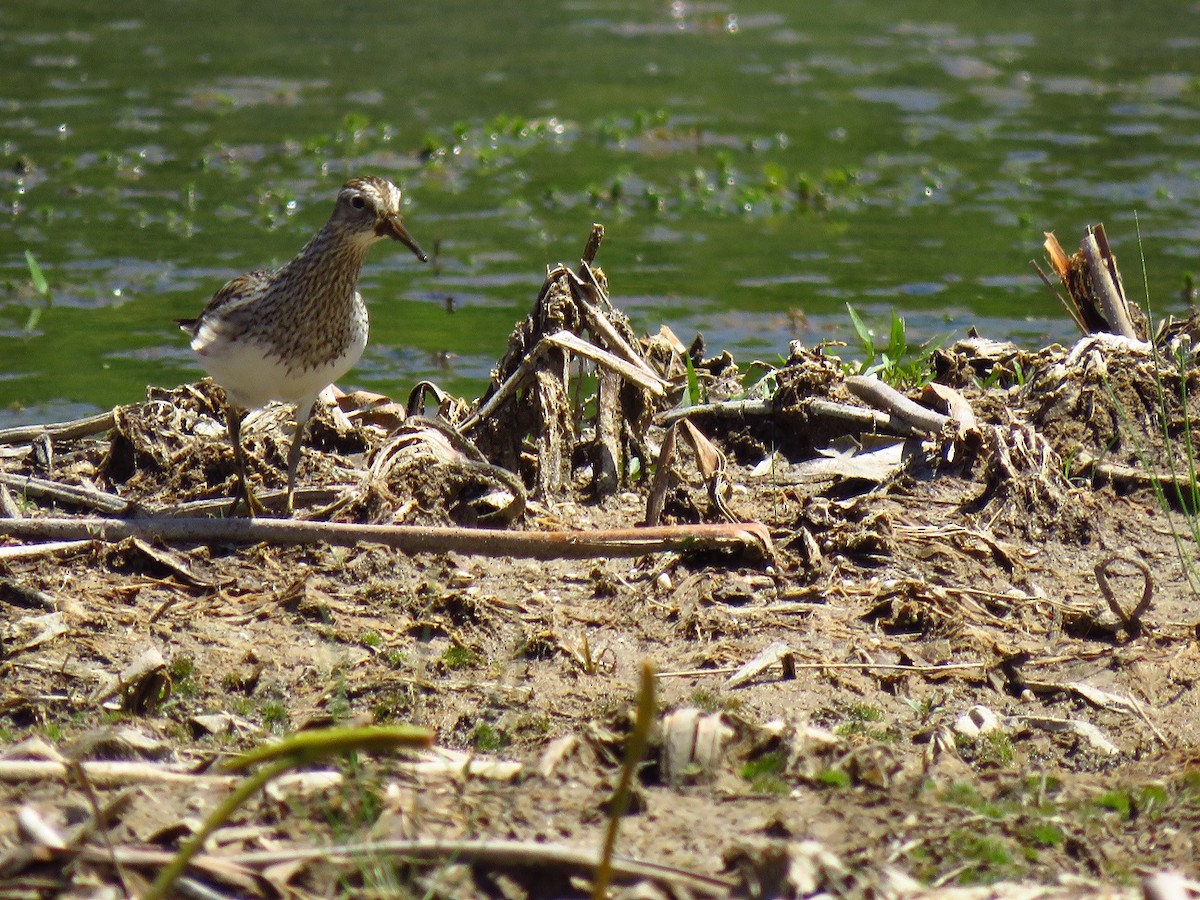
column 976, row 721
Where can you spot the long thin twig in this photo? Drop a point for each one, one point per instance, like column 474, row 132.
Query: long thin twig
column 725, row 409
column 569, row 341
column 600, row 325
column 18, row 551
column 1071, row 308
column 104, row 773
column 62, row 431
column 69, row 494
column 874, row 420
column 750, row 537
column 871, row 667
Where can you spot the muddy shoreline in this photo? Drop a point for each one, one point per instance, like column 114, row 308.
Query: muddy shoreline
column 959, row 650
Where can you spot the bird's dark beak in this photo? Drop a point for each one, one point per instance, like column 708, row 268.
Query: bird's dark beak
column 391, row 226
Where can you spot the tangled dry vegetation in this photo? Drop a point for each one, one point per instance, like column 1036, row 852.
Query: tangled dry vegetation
column 903, row 644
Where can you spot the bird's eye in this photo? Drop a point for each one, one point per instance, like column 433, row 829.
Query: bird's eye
column 358, row 202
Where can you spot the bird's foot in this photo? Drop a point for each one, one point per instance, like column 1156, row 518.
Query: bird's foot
column 245, row 496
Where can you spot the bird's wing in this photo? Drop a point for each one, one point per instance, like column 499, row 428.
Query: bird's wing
column 234, row 293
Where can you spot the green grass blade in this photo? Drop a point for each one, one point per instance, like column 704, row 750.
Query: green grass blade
column 35, row 275
column 292, row 752
column 635, row 751
column 307, row 746
column 41, row 286
column 693, row 383
column 1192, row 492
column 897, row 339
column 864, row 334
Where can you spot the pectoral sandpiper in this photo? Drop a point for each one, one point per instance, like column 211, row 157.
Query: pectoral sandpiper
column 288, row 333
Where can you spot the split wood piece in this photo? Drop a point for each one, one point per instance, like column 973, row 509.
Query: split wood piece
column 59, row 431
column 600, row 325
column 884, row 397
column 1106, row 282
column 1095, row 295
column 594, row 303
column 777, row 652
column 693, row 745
column 145, row 675
column 748, row 537
column 1061, row 264
column 555, row 434
column 68, row 494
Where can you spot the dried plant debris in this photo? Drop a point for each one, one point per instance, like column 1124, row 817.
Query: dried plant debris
column 1095, row 293
column 907, row 641
column 527, row 421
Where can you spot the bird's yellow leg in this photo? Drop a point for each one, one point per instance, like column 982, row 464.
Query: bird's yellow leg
column 303, row 412
column 233, row 421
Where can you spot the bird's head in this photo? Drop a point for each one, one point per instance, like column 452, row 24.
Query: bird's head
column 371, row 206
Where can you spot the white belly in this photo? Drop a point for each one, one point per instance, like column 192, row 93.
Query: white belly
column 252, row 375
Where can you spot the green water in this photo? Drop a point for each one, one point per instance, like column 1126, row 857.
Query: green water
column 757, row 167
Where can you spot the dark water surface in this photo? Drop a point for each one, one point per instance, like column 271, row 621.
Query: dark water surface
column 757, row 167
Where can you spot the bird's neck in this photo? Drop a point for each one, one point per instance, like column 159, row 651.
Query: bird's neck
column 332, row 261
